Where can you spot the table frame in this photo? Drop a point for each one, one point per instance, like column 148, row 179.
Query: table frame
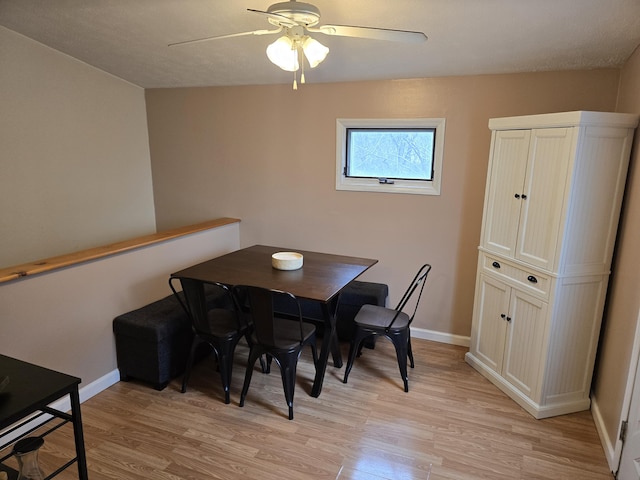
column 30, row 390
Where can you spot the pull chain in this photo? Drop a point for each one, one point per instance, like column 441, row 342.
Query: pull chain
column 295, row 74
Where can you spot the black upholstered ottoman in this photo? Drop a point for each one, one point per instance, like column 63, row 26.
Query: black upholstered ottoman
column 352, row 297
column 153, row 342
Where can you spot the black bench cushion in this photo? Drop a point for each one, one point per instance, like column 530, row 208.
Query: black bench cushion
column 362, row 293
column 154, row 322
column 160, row 319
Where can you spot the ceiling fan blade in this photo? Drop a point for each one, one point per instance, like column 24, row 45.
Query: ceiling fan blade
column 206, row 39
column 371, row 32
column 280, row 19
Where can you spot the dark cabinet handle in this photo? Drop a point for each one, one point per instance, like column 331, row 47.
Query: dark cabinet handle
column 508, row 319
column 495, row 265
column 517, row 195
column 502, row 315
column 524, row 197
column 532, row 279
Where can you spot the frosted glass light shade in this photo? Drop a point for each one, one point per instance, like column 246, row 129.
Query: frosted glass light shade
column 314, row 51
column 283, row 54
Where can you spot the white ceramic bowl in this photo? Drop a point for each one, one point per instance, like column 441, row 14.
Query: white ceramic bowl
column 286, row 260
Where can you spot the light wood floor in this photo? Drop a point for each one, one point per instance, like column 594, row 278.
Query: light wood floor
column 453, row 424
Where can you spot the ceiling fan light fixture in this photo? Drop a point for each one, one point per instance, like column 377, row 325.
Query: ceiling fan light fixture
column 314, row 51
column 284, row 54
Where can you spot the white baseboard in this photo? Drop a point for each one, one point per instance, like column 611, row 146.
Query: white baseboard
column 609, row 450
column 64, row 404
column 88, row 391
column 440, row 337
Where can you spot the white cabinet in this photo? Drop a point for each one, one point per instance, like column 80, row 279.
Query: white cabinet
column 526, row 193
column 552, row 203
column 508, row 340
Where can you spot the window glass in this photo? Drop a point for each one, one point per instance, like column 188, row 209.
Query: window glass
column 390, row 155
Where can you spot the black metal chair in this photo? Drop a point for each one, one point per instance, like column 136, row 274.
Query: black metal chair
column 216, row 320
column 280, row 338
column 374, row 320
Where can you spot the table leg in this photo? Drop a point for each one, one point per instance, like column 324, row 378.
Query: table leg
column 78, row 435
column 329, row 344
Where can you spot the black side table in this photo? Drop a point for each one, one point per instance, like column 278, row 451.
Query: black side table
column 30, row 390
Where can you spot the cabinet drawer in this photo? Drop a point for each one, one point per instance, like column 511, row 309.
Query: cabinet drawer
column 529, row 280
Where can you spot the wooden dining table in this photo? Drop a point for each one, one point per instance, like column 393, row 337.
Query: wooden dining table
column 320, row 279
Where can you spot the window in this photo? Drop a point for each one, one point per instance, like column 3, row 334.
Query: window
column 389, row 155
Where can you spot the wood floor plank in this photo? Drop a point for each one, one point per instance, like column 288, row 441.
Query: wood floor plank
column 452, row 425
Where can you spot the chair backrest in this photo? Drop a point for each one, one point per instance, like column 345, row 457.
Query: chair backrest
column 198, row 299
column 417, row 284
column 261, row 306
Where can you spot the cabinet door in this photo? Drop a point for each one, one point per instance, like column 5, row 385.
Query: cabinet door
column 523, row 349
column 492, row 300
column 542, row 196
column 506, row 178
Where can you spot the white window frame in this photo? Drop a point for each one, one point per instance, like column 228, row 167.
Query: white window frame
column 419, row 187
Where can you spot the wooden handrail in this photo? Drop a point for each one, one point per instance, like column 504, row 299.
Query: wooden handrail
column 61, row 261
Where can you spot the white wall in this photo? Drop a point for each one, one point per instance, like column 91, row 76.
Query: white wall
column 623, row 304
column 74, row 155
column 63, row 320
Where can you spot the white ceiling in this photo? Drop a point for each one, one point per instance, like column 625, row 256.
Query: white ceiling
column 129, row 38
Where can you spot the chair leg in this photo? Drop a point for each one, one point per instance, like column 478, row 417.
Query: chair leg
column 267, row 366
column 409, row 351
column 253, row 356
column 187, row 371
column 314, row 352
column 225, row 363
column 400, row 341
column 288, row 373
column 247, row 337
column 350, row 359
column 356, row 345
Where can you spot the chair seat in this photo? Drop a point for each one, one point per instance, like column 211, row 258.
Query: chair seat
column 287, row 333
column 221, row 322
column 217, row 323
column 374, row 316
column 374, row 320
column 279, row 338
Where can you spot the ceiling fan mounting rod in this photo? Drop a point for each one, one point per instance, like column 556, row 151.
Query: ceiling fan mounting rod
column 298, row 13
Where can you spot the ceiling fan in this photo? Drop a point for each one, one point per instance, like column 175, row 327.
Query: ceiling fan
column 296, row 20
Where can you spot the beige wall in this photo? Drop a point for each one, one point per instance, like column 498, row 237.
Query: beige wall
column 623, row 306
column 64, row 319
column 74, row 158
column 267, row 155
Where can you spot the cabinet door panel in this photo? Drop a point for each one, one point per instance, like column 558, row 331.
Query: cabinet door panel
column 502, row 209
column 544, row 187
column 492, row 301
column 523, row 350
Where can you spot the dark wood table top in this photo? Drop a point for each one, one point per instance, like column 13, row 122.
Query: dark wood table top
column 321, row 277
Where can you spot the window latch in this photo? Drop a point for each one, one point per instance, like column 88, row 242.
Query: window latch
column 385, row 181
